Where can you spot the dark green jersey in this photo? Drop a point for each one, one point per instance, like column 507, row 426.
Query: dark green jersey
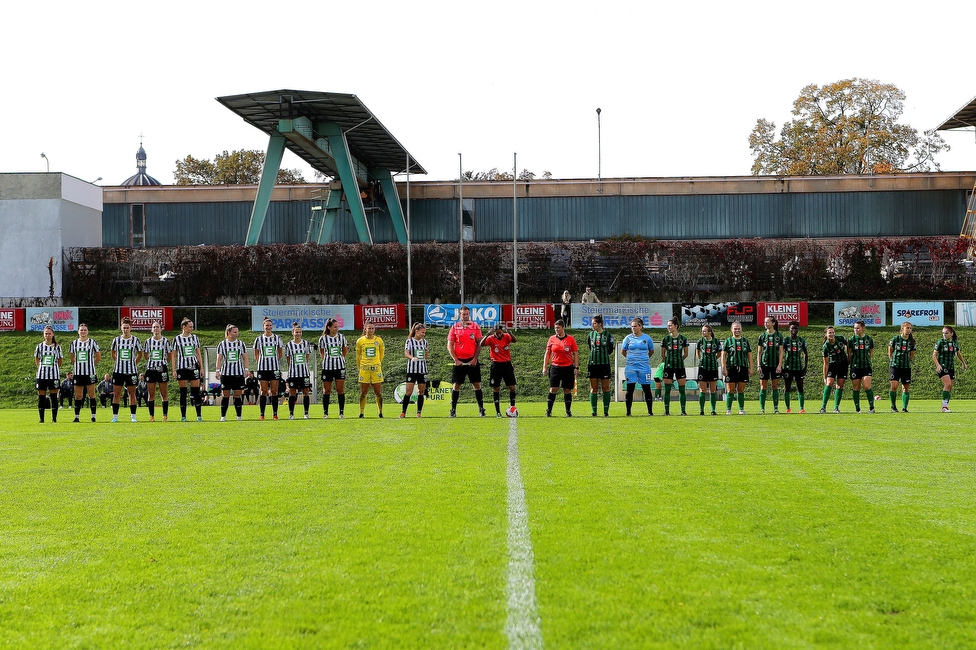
column 835, row 352
column 768, row 347
column 601, row 346
column 736, row 351
column 946, row 350
column 708, row 353
column 860, row 348
column 673, row 347
column 901, row 351
column 793, row 353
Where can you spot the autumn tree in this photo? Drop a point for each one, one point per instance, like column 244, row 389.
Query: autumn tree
column 241, row 167
column 494, row 174
column 847, row 127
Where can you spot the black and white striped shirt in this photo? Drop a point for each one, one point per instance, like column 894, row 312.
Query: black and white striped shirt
column 157, row 352
column 84, row 352
column 48, row 355
column 186, row 351
column 127, row 350
column 333, row 359
column 233, row 353
column 298, row 355
column 268, row 346
column 416, row 348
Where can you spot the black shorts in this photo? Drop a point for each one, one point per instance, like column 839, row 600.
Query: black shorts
column 416, row 378
column 674, row 374
column 471, row 373
column 299, row 383
column 333, row 375
column 707, row 375
column 766, row 373
column 837, row 371
column 188, row 374
column 901, row 375
column 124, row 379
column 790, row 375
column 501, row 372
column 269, row 375
column 46, row 384
column 737, row 375
column 85, row 380
column 562, row 376
column 231, row 382
column 860, row 373
column 951, row 374
column 598, row 371
column 157, row 376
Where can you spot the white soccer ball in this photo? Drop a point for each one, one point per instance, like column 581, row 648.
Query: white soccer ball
column 511, row 412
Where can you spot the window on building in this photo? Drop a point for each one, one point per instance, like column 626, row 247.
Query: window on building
column 137, row 225
column 467, row 219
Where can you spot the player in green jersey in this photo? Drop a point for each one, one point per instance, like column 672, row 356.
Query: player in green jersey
column 901, row 351
column 944, row 355
column 795, row 359
column 834, row 367
column 707, row 351
column 859, row 349
column 598, row 370
column 769, row 363
column 736, row 368
column 674, row 351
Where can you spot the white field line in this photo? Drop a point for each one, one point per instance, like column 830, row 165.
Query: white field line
column 522, row 627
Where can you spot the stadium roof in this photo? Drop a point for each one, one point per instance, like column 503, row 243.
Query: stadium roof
column 369, row 141
column 965, row 117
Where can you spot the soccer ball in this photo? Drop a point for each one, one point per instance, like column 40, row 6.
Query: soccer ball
column 511, row 412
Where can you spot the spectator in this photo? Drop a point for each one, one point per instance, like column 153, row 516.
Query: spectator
column 562, row 308
column 105, row 390
column 589, row 298
column 251, row 388
column 66, row 390
column 142, row 390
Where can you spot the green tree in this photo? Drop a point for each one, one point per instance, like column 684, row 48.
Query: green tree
column 242, row 167
column 847, row 127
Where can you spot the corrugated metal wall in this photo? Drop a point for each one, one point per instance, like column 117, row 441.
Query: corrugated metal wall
column 836, row 214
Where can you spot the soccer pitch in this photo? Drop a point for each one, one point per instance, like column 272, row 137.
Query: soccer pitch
column 729, row 531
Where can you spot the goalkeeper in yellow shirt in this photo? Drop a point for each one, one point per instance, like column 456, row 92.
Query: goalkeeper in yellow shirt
column 369, row 360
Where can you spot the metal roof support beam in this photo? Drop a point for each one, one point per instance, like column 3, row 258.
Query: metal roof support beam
column 392, row 202
column 331, row 212
column 269, row 173
column 346, row 167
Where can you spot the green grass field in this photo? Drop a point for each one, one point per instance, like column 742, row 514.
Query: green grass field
column 715, row 532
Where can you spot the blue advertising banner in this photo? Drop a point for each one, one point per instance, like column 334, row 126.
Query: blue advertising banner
column 447, row 315
column 310, row 317
column 617, row 315
column 61, row 319
column 872, row 313
column 919, row 314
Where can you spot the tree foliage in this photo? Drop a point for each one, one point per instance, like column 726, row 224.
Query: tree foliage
column 240, row 167
column 494, row 174
column 847, row 127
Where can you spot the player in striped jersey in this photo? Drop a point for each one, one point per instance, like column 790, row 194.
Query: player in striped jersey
column 231, row 366
column 859, row 349
column 126, row 354
column 415, row 350
column 674, row 351
column 599, row 365
column 737, row 368
column 769, row 363
column 298, row 353
column 188, row 364
column 835, row 367
column 901, row 351
column 333, row 349
column 944, row 355
column 85, row 355
column 707, row 351
column 369, row 360
column 499, row 344
column 48, row 357
column 268, row 349
column 795, row 360
column 158, row 351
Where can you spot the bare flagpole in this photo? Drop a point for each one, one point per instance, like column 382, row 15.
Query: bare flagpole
column 461, row 221
column 515, row 241
column 409, row 273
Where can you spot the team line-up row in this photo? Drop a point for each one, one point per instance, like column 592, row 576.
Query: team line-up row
column 778, row 357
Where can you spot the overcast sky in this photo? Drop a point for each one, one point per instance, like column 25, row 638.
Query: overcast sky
column 680, row 86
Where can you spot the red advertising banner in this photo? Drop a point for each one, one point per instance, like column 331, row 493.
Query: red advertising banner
column 12, row 320
column 389, row 317
column 143, row 317
column 784, row 312
column 528, row 316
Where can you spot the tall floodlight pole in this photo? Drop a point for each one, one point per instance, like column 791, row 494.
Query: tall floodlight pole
column 515, row 241
column 409, row 273
column 599, row 151
column 461, row 222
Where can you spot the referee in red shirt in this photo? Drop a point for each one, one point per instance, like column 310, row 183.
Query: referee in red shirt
column 499, row 345
column 464, row 344
column 563, row 355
